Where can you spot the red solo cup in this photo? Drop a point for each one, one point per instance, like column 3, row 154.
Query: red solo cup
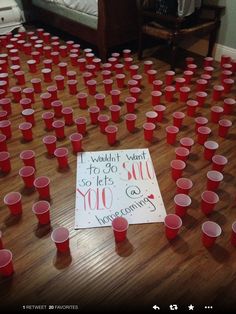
column 27, row 174
column 210, row 148
column 41, row 209
column 28, row 158
column 191, row 107
column 36, row 82
column 228, row 84
column 28, row 114
column 227, row 66
column 4, row 65
column 169, row 77
column 94, row 113
column 171, row 133
column 81, row 124
column 177, row 167
column 184, row 93
column 217, row 92
column 5, row 163
column 156, row 97
column 192, row 67
column 53, row 91
column 148, row 128
column 2, row 93
column 92, row 86
column 48, row 118
column 3, row 115
column 13, row 201
column 67, row 113
column 57, row 107
column 73, row 59
column 224, row 126
column 20, row 76
column 120, row 226
column 130, row 120
column 6, row 264
column 120, row 80
column 36, row 56
column 107, row 66
column 182, row 203
column 206, row 77
column 233, row 234
column 178, row 118
column 42, row 186
column 47, row 64
column 151, row 116
column 100, row 100
column 224, row 59
column 97, row 64
column 229, row 104
column 60, row 236
column 126, row 53
column 132, row 83
column 135, row 92
column 108, row 85
column 208, row 70
column 172, row 224
column 86, row 77
column 181, row 153
column 200, row 121
column 111, row 131
column 214, row 178
column 62, row 157
column 81, row 64
column 203, row 132
column 216, row 112
column 3, row 144
column 60, row 82
column 130, row 104
column 26, row 130
column 133, row 69
column 151, row 74
column 219, row 162
column 225, row 74
column 189, row 60
column 157, row 85
column 115, row 55
column 47, row 77
column 201, row 85
column 89, row 57
column 70, row 44
column 137, row 78
column 54, row 55
column 183, row 185
column 179, row 82
column 32, row 66
column 6, row 105
column 46, row 98
column 27, row 48
column 210, row 232
column 71, row 75
column 29, row 93
column 82, row 100
column 76, row 142
column 201, row 98
column 15, row 61
column 46, row 37
column 14, row 52
column 4, row 85
column 169, row 93
column 233, row 63
column 160, row 111
column 5, row 127
column 50, row 143
column 47, row 53
column 106, row 74
column 39, row 48
column 186, row 142
column 208, row 61
column 63, row 68
column 103, row 121
column 119, row 67
column 128, row 62
column 115, row 96
column 113, row 61
column 4, row 77
column 59, row 127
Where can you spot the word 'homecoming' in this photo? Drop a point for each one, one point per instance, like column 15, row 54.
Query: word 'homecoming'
column 116, row 157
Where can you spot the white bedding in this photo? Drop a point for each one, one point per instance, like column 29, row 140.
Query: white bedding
column 86, row 6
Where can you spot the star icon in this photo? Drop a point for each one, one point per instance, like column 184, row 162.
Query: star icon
column 190, row 307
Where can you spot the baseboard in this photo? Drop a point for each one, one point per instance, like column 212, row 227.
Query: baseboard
column 224, row 50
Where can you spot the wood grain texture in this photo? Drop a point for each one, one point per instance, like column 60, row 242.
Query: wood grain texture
column 146, row 269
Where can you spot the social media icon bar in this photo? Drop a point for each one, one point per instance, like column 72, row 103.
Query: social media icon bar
column 173, row 307
column 155, row 307
column 208, row 307
column 191, row 307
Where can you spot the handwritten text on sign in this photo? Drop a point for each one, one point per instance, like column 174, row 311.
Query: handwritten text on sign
column 117, row 183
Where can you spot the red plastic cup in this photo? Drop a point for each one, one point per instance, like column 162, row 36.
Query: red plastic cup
column 181, row 153
column 36, row 56
column 147, row 65
column 47, row 99
column 151, row 116
column 179, row 82
column 224, row 59
column 67, row 113
column 59, row 127
column 4, row 85
column 128, row 62
column 177, row 167
column 71, row 75
column 41, row 209
column 6, row 264
column 210, row 232
column 36, row 82
column 217, row 92
column 137, row 78
column 229, row 104
column 178, row 118
column 76, row 142
column 201, row 98
column 171, row 133
column 214, row 178
column 148, row 128
column 54, row 55
column 13, row 202
column 100, row 101
column 50, row 143
column 189, row 60
column 57, row 107
column 120, row 226
column 210, row 148
column 133, row 69
column 5, row 128
column 94, row 113
column 5, row 163
column 26, row 130
column 29, row 93
column 119, row 68
column 47, row 75
column 206, row 77
column 219, row 162
column 216, row 112
column 3, row 115
column 60, row 82
column 192, row 67
column 6, row 105
column 227, row 84
column 62, row 157
column 135, row 92
column 184, row 93
column 60, row 236
column 208, row 61
column 157, row 85
column 202, row 134
column 183, row 185
column 200, row 121
column 111, row 131
column 169, row 93
column 28, row 158
column 53, row 91
column 97, row 64
column 130, row 104
column 103, row 121
column 47, row 50
column 115, row 112
column 89, row 57
column 233, row 63
column 32, row 66
column 156, row 97
column 226, row 74
column 182, row 203
column 3, row 143
column 169, row 77
column 224, row 126
column 81, row 64
column 46, row 37
column 120, row 80
column 191, row 107
column 42, row 186
column 209, row 199
column 27, row 48
column 27, row 173
column 72, row 84
column 115, row 96
column 82, row 100
column 28, row 114
column 151, row 74
column 186, row 142
column 92, row 86
column 160, row 111
column 208, row 70
column 20, row 77
column 233, row 234
column 16, row 93
column 108, row 85
column 130, row 120
column 81, row 124
column 48, row 118
column 172, row 224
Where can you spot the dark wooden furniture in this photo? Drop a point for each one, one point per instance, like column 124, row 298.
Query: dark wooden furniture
column 117, row 24
column 174, row 29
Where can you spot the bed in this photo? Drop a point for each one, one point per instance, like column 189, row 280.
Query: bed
column 103, row 23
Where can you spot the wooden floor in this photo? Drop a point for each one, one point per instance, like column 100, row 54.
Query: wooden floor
column 144, row 270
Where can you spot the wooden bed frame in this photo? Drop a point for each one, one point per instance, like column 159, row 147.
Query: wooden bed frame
column 117, row 24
